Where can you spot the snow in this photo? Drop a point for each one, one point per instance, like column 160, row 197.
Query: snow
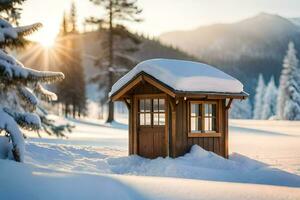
column 7, row 31
column 13, row 69
column 8, row 124
column 4, row 147
column 27, row 95
column 51, row 184
column 93, row 164
column 183, row 76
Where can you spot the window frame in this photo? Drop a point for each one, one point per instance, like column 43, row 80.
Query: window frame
column 203, row 133
column 152, row 112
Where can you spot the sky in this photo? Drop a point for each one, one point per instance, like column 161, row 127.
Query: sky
column 158, row 16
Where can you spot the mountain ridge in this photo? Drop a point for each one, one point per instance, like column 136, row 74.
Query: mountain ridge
column 242, row 49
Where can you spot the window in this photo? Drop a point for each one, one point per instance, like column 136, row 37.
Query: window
column 152, row 112
column 203, row 117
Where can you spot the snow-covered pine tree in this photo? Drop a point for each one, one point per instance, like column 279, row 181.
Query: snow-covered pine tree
column 258, row 99
column 18, row 85
column 270, row 100
column 241, row 110
column 288, row 102
column 115, row 43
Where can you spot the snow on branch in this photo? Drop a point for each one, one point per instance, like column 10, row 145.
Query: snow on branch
column 45, row 94
column 9, row 125
column 8, row 33
column 11, row 69
column 27, row 30
column 44, row 76
column 28, row 98
column 28, row 121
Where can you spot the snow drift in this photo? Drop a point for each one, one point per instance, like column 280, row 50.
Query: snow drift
column 198, row 164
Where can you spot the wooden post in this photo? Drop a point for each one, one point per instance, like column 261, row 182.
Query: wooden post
column 173, row 111
column 167, row 153
column 134, row 125
column 226, row 133
column 130, row 132
column 226, row 128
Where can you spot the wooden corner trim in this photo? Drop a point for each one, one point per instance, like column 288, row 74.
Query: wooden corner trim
column 229, row 104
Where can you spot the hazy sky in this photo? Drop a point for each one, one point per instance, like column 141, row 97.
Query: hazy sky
column 161, row 15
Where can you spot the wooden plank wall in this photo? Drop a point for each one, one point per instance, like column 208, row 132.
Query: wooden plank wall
column 184, row 143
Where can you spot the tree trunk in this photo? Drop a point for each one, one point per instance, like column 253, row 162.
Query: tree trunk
column 111, row 56
column 79, row 112
column 74, row 111
column 66, row 109
column 110, row 112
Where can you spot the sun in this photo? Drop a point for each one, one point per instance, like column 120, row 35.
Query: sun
column 47, row 42
column 46, row 38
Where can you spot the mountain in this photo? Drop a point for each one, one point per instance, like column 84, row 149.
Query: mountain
column 243, row 49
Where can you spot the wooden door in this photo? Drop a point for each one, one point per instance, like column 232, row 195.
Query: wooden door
column 151, row 128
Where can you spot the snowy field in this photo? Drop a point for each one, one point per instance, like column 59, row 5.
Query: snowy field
column 93, row 164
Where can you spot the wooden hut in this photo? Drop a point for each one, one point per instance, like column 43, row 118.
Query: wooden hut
column 174, row 104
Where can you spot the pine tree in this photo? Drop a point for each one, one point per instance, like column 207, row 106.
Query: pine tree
column 241, row 110
column 72, row 91
column 114, row 56
column 10, row 10
column 270, row 100
column 19, row 85
column 258, row 99
column 288, row 102
column 73, row 17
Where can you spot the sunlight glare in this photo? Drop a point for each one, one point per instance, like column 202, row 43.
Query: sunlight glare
column 46, row 36
column 47, row 42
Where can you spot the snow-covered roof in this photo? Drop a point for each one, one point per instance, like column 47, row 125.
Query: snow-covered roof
column 184, row 76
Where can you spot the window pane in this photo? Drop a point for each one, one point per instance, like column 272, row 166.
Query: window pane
column 162, row 119
column 155, row 105
column 142, row 103
column 214, row 110
column 161, row 105
column 208, row 124
column 142, row 119
column 208, row 109
column 195, row 124
column 195, row 110
column 147, row 119
column 147, row 105
column 214, row 124
column 155, row 119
